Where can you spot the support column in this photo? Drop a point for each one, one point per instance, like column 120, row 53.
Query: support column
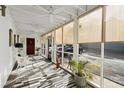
column 102, row 45
column 102, row 64
column 54, row 52
column 75, row 45
column 46, row 48
column 62, row 53
column 54, row 46
column 62, row 48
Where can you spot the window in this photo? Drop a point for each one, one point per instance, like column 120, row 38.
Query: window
column 89, row 39
column 91, row 52
column 14, row 39
column 58, row 34
column 67, row 44
column 58, row 41
column 114, row 23
column 17, row 38
column 114, row 47
column 113, row 64
column 90, row 27
column 68, row 36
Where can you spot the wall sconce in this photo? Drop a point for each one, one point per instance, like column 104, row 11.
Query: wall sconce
column 3, row 10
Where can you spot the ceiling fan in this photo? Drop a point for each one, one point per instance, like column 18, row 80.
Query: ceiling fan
column 52, row 14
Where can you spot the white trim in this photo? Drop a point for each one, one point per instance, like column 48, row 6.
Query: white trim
column 58, row 51
column 78, row 7
column 25, row 11
column 62, row 53
column 61, row 17
column 102, row 64
column 75, row 34
column 52, row 47
column 41, row 8
column 68, row 53
column 70, row 13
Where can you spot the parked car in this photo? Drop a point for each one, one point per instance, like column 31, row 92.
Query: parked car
column 68, row 48
column 82, row 49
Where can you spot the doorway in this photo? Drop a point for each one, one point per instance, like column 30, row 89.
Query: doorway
column 30, row 46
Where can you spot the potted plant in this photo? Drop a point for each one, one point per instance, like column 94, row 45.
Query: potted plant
column 81, row 72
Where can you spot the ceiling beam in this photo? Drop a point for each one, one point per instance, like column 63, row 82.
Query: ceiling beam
column 42, row 9
column 25, row 11
column 58, row 10
column 31, row 24
column 70, row 13
column 61, row 17
column 22, row 20
column 63, row 9
column 78, row 7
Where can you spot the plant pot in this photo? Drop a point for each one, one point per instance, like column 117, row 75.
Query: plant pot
column 80, row 81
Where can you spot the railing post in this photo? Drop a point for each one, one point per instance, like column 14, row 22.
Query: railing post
column 62, row 48
column 102, row 45
column 102, row 64
column 75, row 44
column 54, row 47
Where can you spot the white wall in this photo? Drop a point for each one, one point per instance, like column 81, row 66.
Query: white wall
column 7, row 58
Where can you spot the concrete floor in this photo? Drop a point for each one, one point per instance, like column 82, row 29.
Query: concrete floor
column 40, row 74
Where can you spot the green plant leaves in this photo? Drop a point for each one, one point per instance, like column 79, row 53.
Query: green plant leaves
column 79, row 68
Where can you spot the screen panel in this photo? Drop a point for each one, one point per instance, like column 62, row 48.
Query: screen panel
column 90, row 27
column 53, row 35
column 68, row 34
column 58, row 36
column 114, row 23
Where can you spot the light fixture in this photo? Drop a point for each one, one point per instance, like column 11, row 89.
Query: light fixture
column 3, row 10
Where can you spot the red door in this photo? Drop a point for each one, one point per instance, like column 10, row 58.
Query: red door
column 30, row 46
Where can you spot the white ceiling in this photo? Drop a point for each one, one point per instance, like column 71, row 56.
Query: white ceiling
column 43, row 18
